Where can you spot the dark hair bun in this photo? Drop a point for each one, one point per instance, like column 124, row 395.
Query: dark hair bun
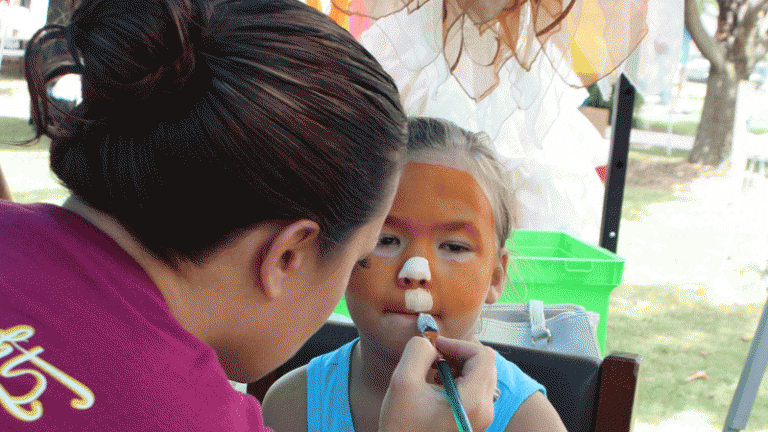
column 134, row 55
column 266, row 109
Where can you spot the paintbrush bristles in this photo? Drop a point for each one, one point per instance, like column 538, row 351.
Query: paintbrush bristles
column 426, row 323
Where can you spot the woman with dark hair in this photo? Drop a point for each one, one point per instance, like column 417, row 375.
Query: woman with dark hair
column 230, row 163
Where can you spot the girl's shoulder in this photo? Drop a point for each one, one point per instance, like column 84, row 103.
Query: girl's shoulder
column 285, row 404
column 287, row 401
column 536, row 414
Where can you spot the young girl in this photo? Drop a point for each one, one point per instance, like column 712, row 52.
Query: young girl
column 441, row 251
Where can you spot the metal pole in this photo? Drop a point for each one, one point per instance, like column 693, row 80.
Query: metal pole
column 623, row 107
column 751, row 376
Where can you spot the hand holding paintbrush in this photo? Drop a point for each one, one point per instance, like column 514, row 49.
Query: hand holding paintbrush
column 428, row 327
column 410, row 387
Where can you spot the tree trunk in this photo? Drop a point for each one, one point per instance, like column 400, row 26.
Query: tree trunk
column 715, row 132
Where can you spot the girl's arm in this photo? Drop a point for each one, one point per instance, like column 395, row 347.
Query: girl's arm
column 285, row 404
column 5, row 191
column 536, row 414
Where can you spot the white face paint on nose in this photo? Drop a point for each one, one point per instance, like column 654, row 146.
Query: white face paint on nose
column 415, row 271
column 415, row 277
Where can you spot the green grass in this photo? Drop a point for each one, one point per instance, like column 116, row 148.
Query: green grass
column 42, row 195
column 659, row 323
column 637, row 199
column 658, row 154
column 15, row 130
column 687, row 128
column 11, row 74
column 758, row 125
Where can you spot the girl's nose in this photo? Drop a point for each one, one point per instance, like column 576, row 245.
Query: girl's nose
column 414, row 274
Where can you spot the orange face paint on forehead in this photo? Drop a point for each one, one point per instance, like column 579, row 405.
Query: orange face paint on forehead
column 435, row 184
column 436, row 208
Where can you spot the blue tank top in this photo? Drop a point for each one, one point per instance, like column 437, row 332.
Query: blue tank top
column 328, row 391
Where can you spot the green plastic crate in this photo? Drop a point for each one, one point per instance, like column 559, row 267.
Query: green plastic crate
column 556, row 268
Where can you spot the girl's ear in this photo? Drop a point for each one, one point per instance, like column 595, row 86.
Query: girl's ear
column 499, row 277
column 287, row 254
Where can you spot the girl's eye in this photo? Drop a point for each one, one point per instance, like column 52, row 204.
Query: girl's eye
column 388, row 241
column 455, row 247
column 389, row 245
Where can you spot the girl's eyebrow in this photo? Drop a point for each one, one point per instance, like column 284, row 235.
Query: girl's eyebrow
column 456, row 226
column 452, row 226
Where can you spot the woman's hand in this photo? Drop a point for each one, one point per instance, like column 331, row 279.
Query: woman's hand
column 413, row 404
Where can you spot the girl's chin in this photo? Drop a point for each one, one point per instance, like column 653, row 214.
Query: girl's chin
column 400, row 322
column 397, row 328
column 393, row 331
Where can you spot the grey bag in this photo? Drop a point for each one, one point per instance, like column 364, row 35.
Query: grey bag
column 561, row 328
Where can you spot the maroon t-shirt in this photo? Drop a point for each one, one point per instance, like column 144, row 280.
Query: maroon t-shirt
column 88, row 343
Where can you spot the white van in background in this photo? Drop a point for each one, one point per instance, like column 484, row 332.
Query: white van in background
column 19, row 20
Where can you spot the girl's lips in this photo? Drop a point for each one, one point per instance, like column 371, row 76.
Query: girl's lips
column 401, row 312
column 398, row 306
column 406, row 312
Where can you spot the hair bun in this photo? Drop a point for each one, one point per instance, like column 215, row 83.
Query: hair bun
column 133, row 53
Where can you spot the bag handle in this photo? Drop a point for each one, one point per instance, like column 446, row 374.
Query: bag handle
column 539, row 328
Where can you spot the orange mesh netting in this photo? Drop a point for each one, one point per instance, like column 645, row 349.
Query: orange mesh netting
column 514, row 69
column 591, row 37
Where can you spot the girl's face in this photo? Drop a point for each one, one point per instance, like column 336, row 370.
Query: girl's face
column 440, row 213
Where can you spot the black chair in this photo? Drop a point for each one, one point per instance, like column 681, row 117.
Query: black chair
column 590, row 396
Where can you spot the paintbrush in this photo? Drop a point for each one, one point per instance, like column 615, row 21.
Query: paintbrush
column 428, row 328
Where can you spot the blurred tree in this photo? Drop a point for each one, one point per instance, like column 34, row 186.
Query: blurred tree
column 740, row 41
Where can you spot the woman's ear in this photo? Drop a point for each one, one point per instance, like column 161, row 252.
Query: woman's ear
column 499, row 277
column 293, row 247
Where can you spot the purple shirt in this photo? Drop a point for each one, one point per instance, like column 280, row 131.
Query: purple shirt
column 87, row 341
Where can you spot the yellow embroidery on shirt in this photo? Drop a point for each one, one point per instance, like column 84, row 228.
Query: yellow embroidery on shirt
column 15, row 405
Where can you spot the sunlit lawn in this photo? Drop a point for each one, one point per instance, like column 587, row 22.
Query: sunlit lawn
column 636, row 198
column 16, row 130
column 678, row 334
column 657, row 154
column 684, row 127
